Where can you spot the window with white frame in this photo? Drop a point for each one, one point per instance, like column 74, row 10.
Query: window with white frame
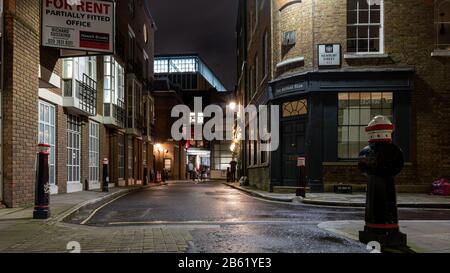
column 73, row 149
column 109, row 85
column 75, row 68
column 365, row 26
column 355, row 112
column 47, row 135
column 94, row 152
column 442, row 19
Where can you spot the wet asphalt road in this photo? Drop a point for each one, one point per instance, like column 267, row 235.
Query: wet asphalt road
column 222, row 219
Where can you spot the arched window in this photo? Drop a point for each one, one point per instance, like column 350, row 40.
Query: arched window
column 442, row 18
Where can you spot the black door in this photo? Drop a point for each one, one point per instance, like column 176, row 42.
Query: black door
column 293, row 146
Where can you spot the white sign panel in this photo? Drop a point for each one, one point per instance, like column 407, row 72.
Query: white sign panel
column 85, row 25
column 301, row 162
column 329, row 55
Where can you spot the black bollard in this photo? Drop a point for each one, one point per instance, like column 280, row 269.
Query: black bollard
column 381, row 161
column 301, row 184
column 42, row 198
column 105, row 184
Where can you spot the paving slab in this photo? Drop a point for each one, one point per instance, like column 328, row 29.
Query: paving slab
column 423, row 236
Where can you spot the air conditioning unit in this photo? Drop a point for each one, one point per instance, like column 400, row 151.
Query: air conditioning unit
column 289, row 38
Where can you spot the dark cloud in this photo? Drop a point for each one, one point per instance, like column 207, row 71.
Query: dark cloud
column 206, row 27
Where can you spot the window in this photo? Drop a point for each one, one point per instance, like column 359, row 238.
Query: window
column 132, row 8
column 146, row 67
column 94, row 152
column 73, row 148
column 256, row 78
column 365, row 26
column 75, row 68
column 443, row 25
column 47, row 135
column 121, row 146
column 265, row 59
column 130, row 157
column 110, row 80
column 120, row 82
column 295, row 108
column 355, row 112
column 257, row 3
column 131, row 46
column 255, row 152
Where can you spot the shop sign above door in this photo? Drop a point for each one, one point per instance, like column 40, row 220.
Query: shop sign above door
column 84, row 25
column 329, row 55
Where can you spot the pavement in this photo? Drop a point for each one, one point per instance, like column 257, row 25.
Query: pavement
column 405, row 200
column 424, row 236
column 19, row 233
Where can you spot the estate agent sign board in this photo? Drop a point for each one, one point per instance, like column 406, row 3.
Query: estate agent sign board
column 84, row 25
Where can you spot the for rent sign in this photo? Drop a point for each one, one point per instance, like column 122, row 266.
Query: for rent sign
column 86, row 25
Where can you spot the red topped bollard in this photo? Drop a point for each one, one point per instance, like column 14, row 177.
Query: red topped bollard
column 381, row 161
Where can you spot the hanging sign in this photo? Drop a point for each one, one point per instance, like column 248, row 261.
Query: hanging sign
column 83, row 25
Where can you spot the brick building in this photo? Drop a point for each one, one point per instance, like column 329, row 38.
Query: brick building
column 87, row 106
column 181, row 79
column 333, row 65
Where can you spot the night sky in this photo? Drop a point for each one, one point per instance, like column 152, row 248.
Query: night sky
column 206, row 27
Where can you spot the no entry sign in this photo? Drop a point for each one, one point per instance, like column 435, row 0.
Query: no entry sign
column 84, row 25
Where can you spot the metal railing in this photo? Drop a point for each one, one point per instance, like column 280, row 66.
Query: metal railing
column 85, row 91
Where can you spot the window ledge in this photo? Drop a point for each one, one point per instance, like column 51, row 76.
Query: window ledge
column 290, row 61
column 350, row 56
column 440, row 53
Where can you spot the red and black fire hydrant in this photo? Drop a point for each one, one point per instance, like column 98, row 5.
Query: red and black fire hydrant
column 381, row 161
column 42, row 195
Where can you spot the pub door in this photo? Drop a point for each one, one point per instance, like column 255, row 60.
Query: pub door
column 293, row 146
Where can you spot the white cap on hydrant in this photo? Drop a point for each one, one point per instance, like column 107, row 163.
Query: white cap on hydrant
column 380, row 129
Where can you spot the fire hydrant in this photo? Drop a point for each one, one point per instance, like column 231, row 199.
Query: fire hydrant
column 381, row 161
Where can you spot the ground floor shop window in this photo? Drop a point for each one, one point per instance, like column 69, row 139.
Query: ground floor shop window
column 355, row 111
column 94, row 152
column 47, row 134
column 73, row 148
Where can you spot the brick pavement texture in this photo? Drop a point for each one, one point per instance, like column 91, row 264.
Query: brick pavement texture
column 38, row 237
